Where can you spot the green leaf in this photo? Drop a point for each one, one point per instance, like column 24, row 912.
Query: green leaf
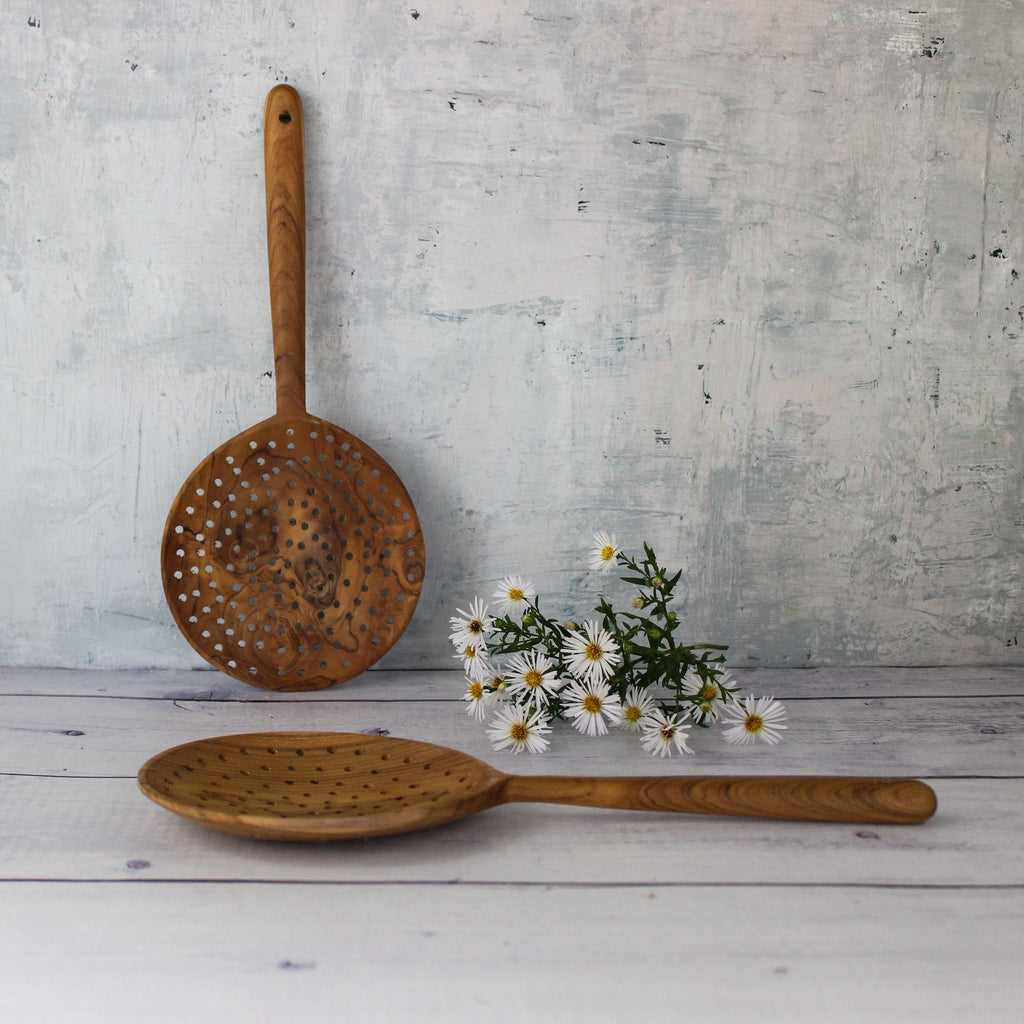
column 636, row 581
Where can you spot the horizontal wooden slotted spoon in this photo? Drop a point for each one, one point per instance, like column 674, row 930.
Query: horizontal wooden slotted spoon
column 328, row 785
column 292, row 556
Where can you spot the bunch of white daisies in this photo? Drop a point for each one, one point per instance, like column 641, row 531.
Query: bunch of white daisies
column 623, row 669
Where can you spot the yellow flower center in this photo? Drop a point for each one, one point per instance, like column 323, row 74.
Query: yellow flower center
column 515, row 594
column 469, row 651
column 533, row 679
column 518, row 732
column 708, row 692
column 607, row 553
column 591, row 704
column 668, row 732
column 632, row 713
column 476, row 691
column 594, row 651
column 754, row 723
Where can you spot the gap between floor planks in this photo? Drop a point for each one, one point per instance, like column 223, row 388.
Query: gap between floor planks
column 447, row 684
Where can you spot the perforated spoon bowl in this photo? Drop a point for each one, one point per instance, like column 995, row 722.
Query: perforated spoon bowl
column 292, row 556
column 328, row 785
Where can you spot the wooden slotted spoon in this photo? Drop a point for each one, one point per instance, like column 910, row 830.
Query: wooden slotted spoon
column 292, row 556
column 326, row 785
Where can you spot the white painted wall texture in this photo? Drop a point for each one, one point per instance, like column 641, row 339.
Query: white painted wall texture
column 740, row 278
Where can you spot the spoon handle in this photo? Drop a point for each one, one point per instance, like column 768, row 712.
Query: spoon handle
column 285, row 165
column 882, row 801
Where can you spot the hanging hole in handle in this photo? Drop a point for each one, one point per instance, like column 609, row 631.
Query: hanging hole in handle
column 285, row 117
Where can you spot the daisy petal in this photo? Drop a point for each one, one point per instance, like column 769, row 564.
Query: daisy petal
column 478, row 699
column 517, row 729
column 592, row 654
column 513, row 596
column 605, row 552
column 665, row 734
column 472, row 627
column 637, row 708
column 749, row 719
column 533, row 677
column 591, row 706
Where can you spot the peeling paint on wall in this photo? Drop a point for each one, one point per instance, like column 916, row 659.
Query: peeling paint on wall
column 740, row 279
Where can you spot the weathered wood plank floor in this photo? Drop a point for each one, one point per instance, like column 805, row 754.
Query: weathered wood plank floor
column 113, row 909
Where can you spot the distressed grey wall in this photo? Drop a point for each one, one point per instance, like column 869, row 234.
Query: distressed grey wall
column 740, row 278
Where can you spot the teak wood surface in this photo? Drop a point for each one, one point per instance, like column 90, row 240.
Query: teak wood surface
column 293, row 557
column 305, row 786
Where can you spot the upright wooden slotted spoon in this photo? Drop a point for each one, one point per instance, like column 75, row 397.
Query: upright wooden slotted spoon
column 327, row 785
column 292, row 556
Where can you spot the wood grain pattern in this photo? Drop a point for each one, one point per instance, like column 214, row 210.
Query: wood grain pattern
column 76, row 829
column 242, row 951
column 321, row 786
column 285, row 164
column 103, row 735
column 823, row 922
column 293, row 556
column 818, row 685
column 786, row 797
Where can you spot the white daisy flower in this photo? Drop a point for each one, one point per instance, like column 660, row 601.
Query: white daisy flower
column 471, row 627
column 495, row 682
column 663, row 732
column 592, row 654
column 636, row 709
column 707, row 697
column 474, row 661
column 515, row 728
column 532, row 675
column 592, row 707
column 605, row 551
column 513, row 595
column 478, row 699
column 748, row 719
